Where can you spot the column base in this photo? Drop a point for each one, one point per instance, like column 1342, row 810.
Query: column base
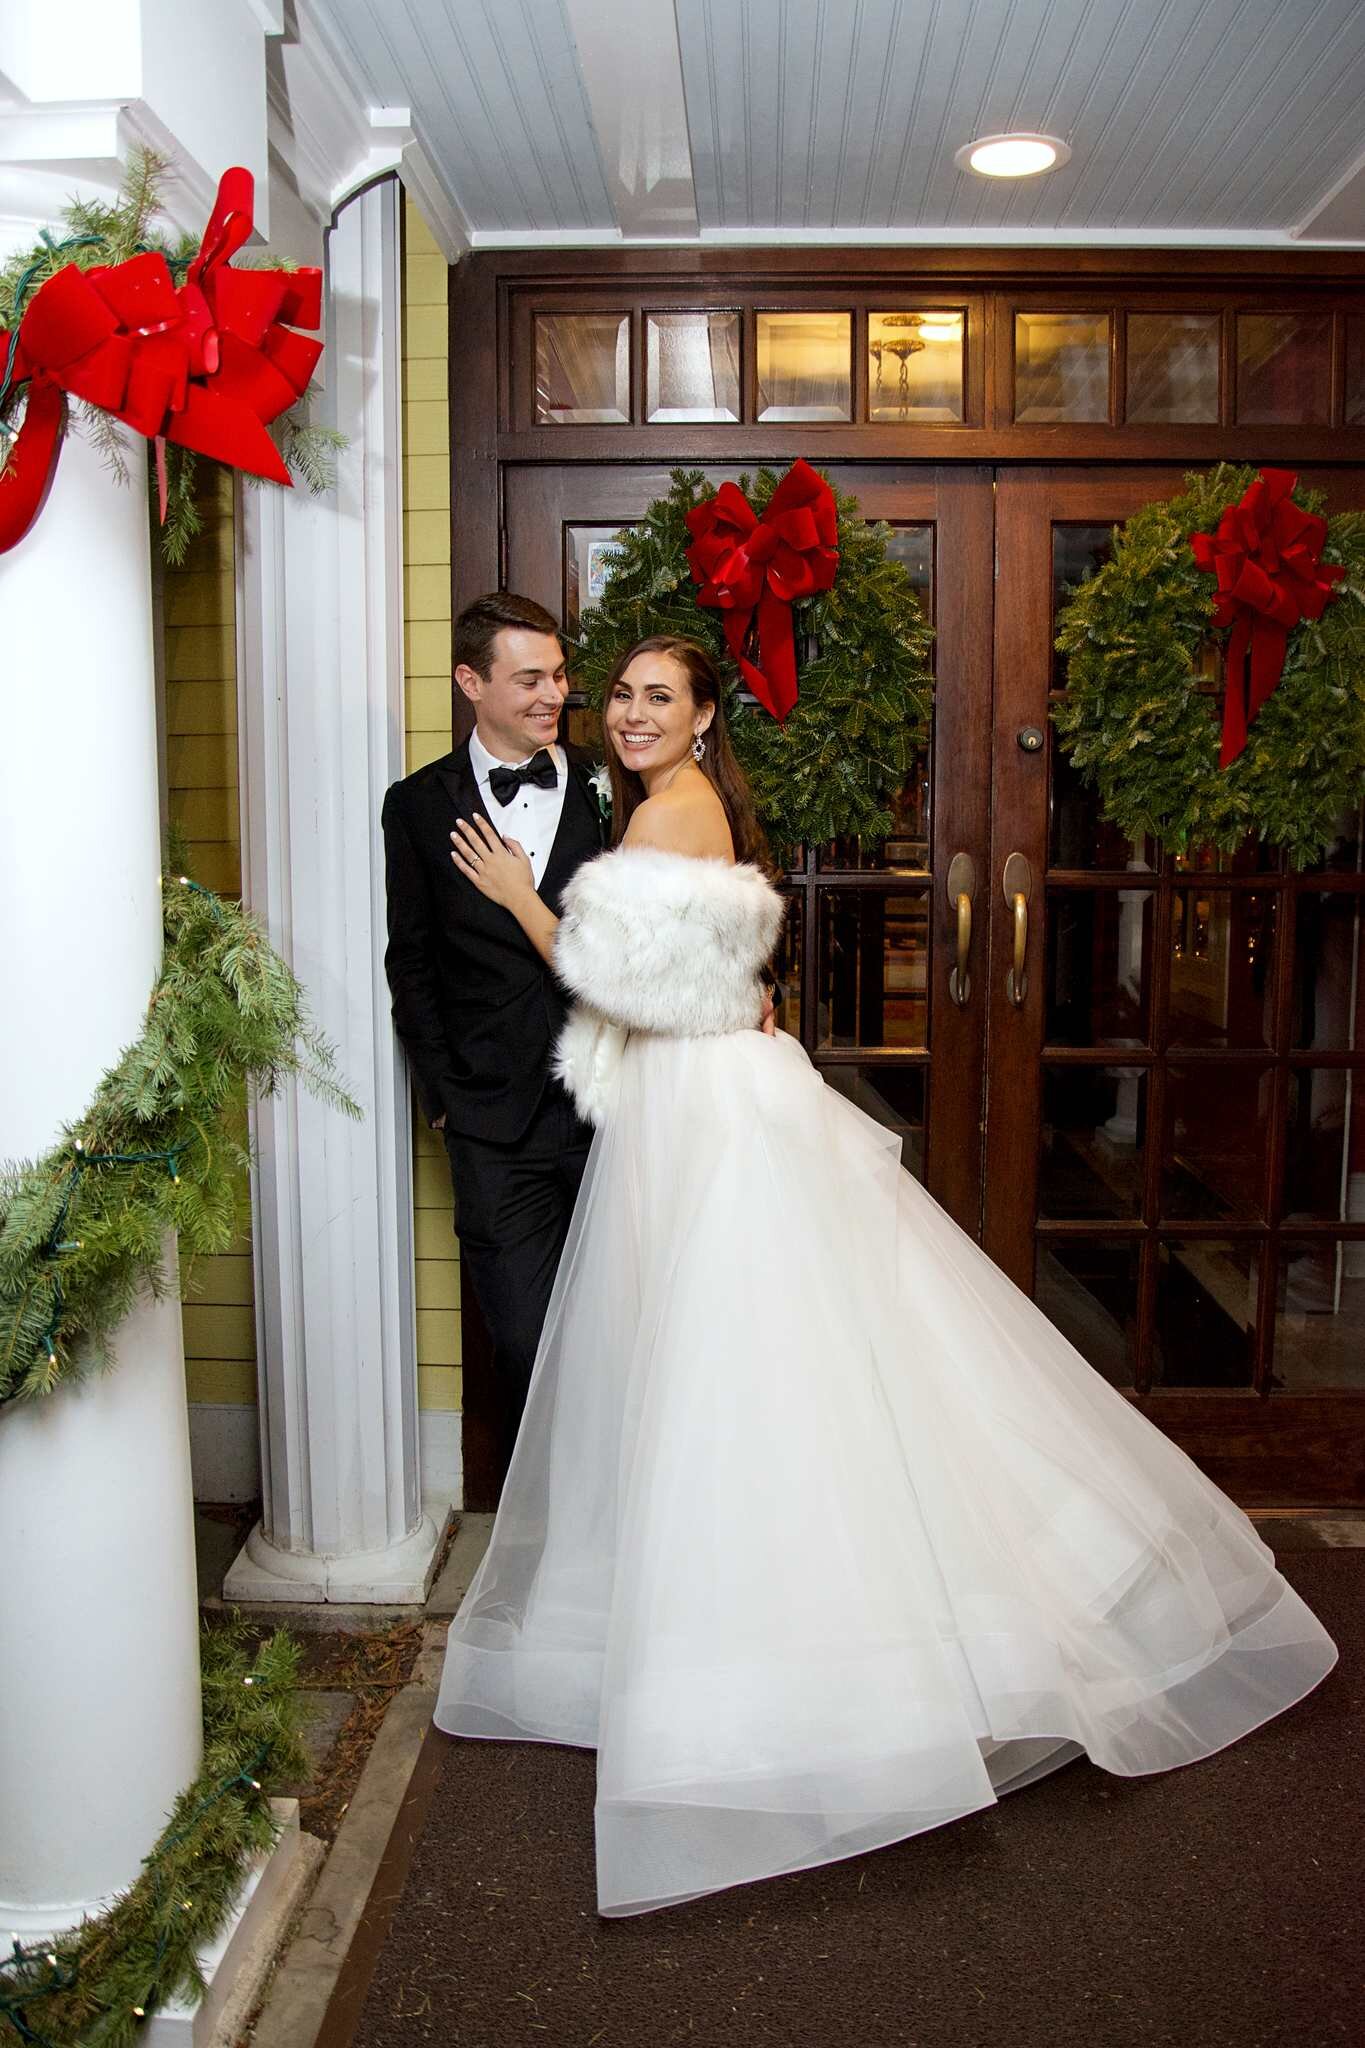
column 264, row 1907
column 398, row 1576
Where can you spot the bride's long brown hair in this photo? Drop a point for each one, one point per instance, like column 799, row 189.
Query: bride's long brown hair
column 719, row 765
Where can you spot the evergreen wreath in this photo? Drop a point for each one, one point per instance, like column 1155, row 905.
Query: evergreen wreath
column 160, row 1148
column 98, row 235
column 832, row 767
column 94, row 1987
column 1139, row 725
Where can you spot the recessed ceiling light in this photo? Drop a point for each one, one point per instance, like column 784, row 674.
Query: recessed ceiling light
column 1012, row 156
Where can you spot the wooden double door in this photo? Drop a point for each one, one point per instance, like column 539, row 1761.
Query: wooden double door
column 1138, row 1079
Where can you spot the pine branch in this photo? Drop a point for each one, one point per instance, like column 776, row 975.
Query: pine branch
column 159, row 1147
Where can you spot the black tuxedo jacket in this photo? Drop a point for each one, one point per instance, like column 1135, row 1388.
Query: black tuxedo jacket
column 477, row 1009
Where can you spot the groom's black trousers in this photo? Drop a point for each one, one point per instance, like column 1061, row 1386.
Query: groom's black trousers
column 512, row 1209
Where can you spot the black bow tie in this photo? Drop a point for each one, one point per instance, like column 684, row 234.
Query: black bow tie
column 540, row 769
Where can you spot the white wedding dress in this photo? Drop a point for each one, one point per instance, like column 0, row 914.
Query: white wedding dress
column 816, row 1529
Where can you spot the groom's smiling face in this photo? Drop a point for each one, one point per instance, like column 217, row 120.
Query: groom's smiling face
column 518, row 703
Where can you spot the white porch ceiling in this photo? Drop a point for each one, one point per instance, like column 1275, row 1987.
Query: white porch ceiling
column 588, row 121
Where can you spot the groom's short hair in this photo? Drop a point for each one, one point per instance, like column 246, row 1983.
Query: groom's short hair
column 479, row 624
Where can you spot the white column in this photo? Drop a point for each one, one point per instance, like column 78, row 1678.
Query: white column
column 99, row 1699
column 320, row 661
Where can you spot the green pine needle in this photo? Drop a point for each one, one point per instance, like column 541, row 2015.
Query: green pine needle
column 866, row 683
column 1140, row 728
column 92, row 1988
column 161, row 1146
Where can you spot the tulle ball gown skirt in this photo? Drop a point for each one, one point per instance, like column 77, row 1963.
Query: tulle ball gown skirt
column 816, row 1529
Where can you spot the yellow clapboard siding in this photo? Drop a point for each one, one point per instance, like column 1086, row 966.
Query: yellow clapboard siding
column 426, row 595
column 201, row 761
column 204, row 598
column 224, row 1278
column 433, row 1233
column 425, row 278
column 215, row 1330
column 427, row 539
column 231, row 1381
column 199, row 653
column 426, row 427
column 202, row 708
column 426, row 379
column 211, row 552
column 216, row 865
column 427, row 666
column 431, row 1183
column 426, row 746
column 428, row 703
column 208, row 814
column 438, row 1387
column 438, row 1284
column 426, row 483
column 427, row 645
column 438, row 1336
column 418, row 238
column 426, row 331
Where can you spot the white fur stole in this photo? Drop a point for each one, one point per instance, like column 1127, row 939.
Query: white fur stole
column 660, row 942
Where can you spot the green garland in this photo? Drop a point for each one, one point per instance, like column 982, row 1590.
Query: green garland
column 160, row 1148
column 93, row 1988
column 866, row 687
column 97, row 234
column 1138, row 725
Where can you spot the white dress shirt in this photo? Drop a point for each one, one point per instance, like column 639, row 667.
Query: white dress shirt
column 532, row 817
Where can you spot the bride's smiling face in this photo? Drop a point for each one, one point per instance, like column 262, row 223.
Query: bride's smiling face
column 652, row 718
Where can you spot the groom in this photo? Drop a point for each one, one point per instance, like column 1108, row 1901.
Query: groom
column 476, row 1008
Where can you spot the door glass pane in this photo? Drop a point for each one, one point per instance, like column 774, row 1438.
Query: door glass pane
column 1079, row 836
column 805, row 366
column 1343, row 856
column 1205, row 1313
column 914, row 369
column 582, row 368
column 1320, row 1316
column 1061, row 367
column 1088, row 1287
column 913, row 548
column 894, row 1096
column 692, row 366
column 1099, row 945
column 589, row 552
column 1222, row 966
column 1329, row 989
column 787, row 965
column 1324, row 1160
column 905, row 850
column 1094, row 1130
column 874, row 968
column 1172, row 368
column 1077, row 552
column 1214, row 1157
column 1355, row 370
column 1284, row 372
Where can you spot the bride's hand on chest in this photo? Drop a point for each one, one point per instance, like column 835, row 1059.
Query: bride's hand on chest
column 498, row 868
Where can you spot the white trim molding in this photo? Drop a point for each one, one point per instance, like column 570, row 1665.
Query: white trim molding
column 320, row 666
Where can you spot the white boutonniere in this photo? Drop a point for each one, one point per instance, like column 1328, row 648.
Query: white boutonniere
column 600, row 780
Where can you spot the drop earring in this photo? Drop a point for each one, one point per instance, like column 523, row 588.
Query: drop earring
column 698, row 748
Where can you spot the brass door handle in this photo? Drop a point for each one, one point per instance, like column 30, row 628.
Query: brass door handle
column 1018, row 886
column 961, row 889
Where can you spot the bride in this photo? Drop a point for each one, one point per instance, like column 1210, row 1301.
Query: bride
column 816, row 1529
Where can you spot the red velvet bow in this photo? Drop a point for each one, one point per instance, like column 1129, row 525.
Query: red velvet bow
column 208, row 365
column 746, row 564
column 1267, row 556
